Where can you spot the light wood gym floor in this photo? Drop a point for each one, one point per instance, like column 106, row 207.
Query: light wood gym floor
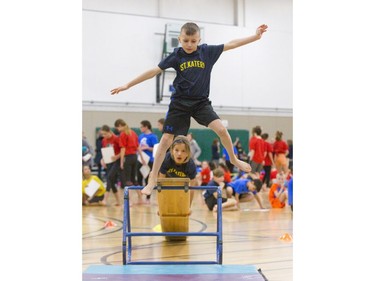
column 250, row 236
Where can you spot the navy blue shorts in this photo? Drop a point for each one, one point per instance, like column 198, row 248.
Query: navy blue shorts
column 212, row 201
column 177, row 121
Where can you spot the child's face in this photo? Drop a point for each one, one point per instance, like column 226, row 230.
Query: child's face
column 179, row 153
column 86, row 171
column 160, row 126
column 142, row 128
column 120, row 128
column 250, row 186
column 204, row 164
column 189, row 42
column 219, row 179
column 280, row 179
column 106, row 134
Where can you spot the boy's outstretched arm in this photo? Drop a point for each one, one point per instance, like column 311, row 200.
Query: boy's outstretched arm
column 144, row 76
column 243, row 41
column 258, row 200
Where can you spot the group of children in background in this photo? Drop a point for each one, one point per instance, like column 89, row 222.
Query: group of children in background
column 179, row 162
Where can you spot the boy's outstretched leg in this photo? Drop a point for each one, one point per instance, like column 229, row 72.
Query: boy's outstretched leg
column 152, row 180
column 243, row 166
column 165, row 143
column 226, row 140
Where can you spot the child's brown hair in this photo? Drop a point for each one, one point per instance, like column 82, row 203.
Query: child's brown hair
column 121, row 122
column 190, row 28
column 178, row 140
column 218, row 173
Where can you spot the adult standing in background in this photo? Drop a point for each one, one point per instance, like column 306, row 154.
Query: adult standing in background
column 87, row 152
column 268, row 160
column 227, row 160
column 280, row 150
column 241, row 154
column 215, row 151
column 256, row 151
column 161, row 124
column 290, row 154
column 98, row 153
column 128, row 141
column 147, row 140
column 194, row 149
column 111, row 140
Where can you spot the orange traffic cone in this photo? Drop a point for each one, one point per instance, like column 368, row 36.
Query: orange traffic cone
column 109, row 224
column 286, row 237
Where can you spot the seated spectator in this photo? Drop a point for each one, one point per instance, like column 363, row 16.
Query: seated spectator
column 204, row 176
column 278, row 192
column 273, row 175
column 227, row 173
column 98, row 197
column 210, row 196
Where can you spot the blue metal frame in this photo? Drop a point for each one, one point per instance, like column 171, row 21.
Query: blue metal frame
column 127, row 234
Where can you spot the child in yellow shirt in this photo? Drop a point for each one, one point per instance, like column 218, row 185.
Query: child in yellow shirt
column 98, row 197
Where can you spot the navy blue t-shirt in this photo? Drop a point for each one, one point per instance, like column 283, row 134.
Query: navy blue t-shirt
column 172, row 170
column 193, row 70
column 210, row 192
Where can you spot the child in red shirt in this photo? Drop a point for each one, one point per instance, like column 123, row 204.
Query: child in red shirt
column 280, row 150
column 256, row 150
column 111, row 140
column 205, row 173
column 227, row 174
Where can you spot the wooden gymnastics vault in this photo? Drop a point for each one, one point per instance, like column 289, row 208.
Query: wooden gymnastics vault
column 174, row 206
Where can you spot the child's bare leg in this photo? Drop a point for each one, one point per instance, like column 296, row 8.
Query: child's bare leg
column 140, row 197
column 226, row 140
column 237, row 198
column 259, row 201
column 165, row 143
column 229, row 191
column 106, row 196
column 230, row 204
column 118, row 198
